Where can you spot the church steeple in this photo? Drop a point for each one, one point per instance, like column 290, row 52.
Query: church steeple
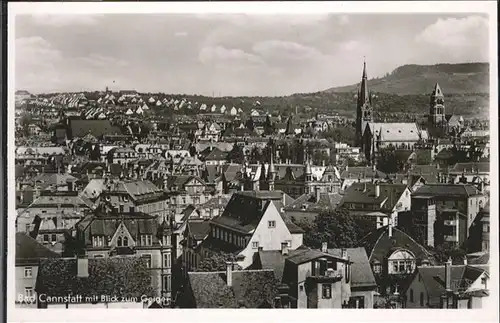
column 436, row 106
column 364, row 107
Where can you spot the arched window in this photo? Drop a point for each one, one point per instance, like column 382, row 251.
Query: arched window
column 119, row 242
column 125, row 241
column 401, row 262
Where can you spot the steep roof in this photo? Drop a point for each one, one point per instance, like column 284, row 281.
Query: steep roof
column 274, row 260
column 249, row 289
column 379, row 245
column 361, row 271
column 120, row 277
column 433, row 277
column 365, row 193
column 199, row 229
column 30, row 251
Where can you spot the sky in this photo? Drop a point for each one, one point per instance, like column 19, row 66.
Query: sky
column 233, row 55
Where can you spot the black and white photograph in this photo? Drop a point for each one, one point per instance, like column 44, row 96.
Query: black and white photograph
column 252, row 160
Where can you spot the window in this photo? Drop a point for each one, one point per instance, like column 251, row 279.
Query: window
column 28, row 272
column 146, row 240
column 99, row 256
column 167, row 283
column 28, row 292
column 125, row 241
column 327, row 291
column 46, row 238
column 271, row 224
column 377, row 268
column 148, row 260
column 119, row 242
column 301, row 288
column 167, row 240
column 401, row 266
column 395, row 266
column 483, row 282
column 411, row 295
column 255, row 245
column 167, row 260
column 289, row 243
column 421, row 299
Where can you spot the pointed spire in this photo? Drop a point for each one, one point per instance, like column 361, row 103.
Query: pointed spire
column 437, row 90
column 364, row 95
column 364, row 68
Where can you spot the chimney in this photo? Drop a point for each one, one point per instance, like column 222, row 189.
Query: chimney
column 390, row 227
column 447, row 275
column 465, row 260
column 377, row 190
column 82, row 267
column 343, row 253
column 70, row 185
column 229, row 273
column 324, row 247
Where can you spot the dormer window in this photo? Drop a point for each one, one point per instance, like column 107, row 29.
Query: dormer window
column 98, row 241
column 146, row 240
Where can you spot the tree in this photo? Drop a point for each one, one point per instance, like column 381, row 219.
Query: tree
column 250, row 124
column 72, row 246
column 445, row 251
column 336, row 227
column 268, row 126
column 389, row 161
column 216, row 261
column 236, row 155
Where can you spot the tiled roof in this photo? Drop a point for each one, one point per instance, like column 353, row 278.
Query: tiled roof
column 274, row 260
column 120, row 277
column 30, row 251
column 303, row 255
column 249, row 289
column 216, row 154
column 80, row 128
column 361, row 172
column 481, row 167
column 199, row 229
column 451, row 190
column 379, row 245
column 361, row 271
column 482, row 258
column 65, row 200
column 327, row 201
column 433, row 277
column 365, row 193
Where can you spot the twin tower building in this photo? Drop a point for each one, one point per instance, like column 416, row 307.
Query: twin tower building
column 364, row 113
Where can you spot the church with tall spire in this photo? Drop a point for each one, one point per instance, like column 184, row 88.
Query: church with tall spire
column 364, row 111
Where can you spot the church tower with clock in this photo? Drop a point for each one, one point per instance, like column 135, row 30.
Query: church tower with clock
column 364, row 112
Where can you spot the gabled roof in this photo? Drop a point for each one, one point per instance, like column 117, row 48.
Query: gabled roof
column 198, row 229
column 29, row 251
column 249, row 289
column 390, row 194
column 433, row 278
column 361, row 271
